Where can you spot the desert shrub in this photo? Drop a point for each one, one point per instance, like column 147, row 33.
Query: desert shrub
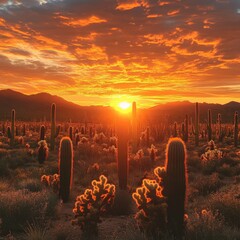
column 207, row 184
column 209, row 167
column 34, row 232
column 17, row 208
column 228, row 205
column 33, row 185
column 152, row 215
column 209, row 225
column 92, row 204
column 226, row 170
column 4, row 185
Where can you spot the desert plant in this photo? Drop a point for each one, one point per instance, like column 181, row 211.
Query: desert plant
column 42, row 151
column 196, row 130
column 122, row 151
column 65, row 168
column 52, row 181
column 152, row 214
column 12, row 131
column 236, row 129
column 209, row 125
column 54, row 130
column 92, row 204
column 175, row 185
column 42, row 132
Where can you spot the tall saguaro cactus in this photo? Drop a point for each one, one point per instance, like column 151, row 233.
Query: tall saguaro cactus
column 42, row 132
column 134, row 127
column 176, row 184
column 65, row 168
column 209, row 125
column 220, row 131
column 54, row 130
column 236, row 129
column 122, row 150
column 186, row 129
column 196, row 125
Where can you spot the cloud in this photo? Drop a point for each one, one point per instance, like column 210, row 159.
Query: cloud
column 145, row 49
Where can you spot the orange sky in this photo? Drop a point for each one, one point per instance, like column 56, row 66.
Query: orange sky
column 101, row 51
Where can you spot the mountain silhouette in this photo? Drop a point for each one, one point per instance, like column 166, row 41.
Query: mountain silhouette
column 37, row 107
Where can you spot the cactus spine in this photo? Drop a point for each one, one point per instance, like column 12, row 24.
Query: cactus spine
column 196, row 125
column 12, row 132
column 54, row 130
column 65, row 168
column 209, row 125
column 122, row 152
column 176, row 184
column 236, row 129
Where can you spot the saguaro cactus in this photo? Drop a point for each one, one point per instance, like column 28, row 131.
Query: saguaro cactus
column 175, row 129
column 54, row 130
column 134, row 127
column 42, row 132
column 65, row 168
column 186, row 129
column 71, row 133
column 176, row 184
column 236, row 129
column 196, row 132
column 122, row 150
column 209, row 125
column 220, row 131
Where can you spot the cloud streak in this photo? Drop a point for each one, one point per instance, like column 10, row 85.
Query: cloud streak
column 143, row 50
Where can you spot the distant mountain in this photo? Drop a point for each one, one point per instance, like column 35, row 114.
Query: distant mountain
column 176, row 111
column 38, row 107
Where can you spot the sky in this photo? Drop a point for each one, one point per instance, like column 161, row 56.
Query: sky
column 100, row 52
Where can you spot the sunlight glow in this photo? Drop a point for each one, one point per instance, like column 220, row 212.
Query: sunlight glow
column 124, row 107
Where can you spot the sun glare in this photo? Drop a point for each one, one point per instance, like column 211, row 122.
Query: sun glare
column 124, row 107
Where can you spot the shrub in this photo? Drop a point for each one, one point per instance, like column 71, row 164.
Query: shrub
column 92, row 204
column 34, row 232
column 152, row 215
column 228, row 205
column 209, row 225
column 18, row 208
column 33, row 185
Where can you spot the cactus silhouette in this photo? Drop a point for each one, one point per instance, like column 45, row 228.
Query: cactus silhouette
column 175, row 184
column 236, row 129
column 134, row 127
column 186, row 129
column 122, row 152
column 42, row 132
column 209, row 125
column 65, row 168
column 54, row 130
column 71, row 133
column 42, row 151
column 196, row 132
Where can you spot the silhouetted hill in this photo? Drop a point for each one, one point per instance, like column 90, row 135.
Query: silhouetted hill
column 38, row 107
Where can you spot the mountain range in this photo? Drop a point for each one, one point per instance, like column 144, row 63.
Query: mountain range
column 38, row 107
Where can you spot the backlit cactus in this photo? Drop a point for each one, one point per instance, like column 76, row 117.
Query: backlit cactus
column 152, row 214
column 174, row 129
column 122, row 151
column 65, row 168
column 71, row 133
column 134, row 127
column 42, row 151
column 196, row 130
column 236, row 129
column 209, row 125
column 54, row 130
column 42, row 133
column 52, row 181
column 175, row 184
column 92, row 204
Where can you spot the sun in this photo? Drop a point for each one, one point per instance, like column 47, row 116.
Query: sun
column 124, row 107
